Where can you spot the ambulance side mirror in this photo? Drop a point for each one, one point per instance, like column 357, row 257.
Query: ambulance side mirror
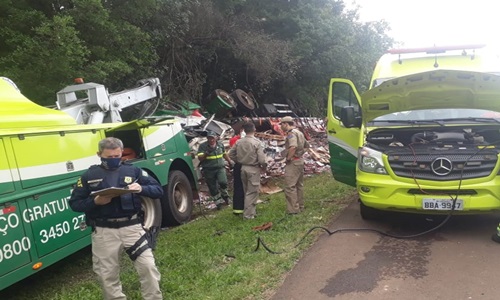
column 348, row 117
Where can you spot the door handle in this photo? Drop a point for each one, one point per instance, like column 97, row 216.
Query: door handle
column 332, row 131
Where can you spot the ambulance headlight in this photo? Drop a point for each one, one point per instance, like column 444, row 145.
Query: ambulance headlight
column 370, row 161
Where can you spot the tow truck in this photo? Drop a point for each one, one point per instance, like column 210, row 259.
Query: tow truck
column 43, row 151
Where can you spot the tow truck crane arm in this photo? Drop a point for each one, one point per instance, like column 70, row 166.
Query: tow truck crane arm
column 90, row 103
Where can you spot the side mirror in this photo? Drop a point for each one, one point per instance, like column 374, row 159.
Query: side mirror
column 348, row 117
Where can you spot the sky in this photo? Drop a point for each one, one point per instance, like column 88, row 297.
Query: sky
column 424, row 23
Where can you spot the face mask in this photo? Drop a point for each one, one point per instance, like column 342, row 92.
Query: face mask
column 111, row 163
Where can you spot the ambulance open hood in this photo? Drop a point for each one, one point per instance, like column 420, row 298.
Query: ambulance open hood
column 432, row 90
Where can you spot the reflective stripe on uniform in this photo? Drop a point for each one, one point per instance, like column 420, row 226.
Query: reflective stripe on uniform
column 214, row 156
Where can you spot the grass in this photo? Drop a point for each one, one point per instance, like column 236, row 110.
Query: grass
column 212, row 257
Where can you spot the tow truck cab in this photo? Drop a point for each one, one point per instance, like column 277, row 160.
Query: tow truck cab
column 425, row 137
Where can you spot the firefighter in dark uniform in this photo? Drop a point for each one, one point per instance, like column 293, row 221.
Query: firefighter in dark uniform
column 116, row 220
column 212, row 155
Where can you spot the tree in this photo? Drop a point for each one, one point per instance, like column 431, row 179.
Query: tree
column 38, row 52
column 47, row 43
column 328, row 41
column 281, row 50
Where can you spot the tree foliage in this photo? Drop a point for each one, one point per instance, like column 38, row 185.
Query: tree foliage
column 281, row 50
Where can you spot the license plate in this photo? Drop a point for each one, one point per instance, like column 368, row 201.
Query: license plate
column 442, row 204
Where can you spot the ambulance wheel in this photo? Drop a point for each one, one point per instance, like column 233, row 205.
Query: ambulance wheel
column 369, row 213
column 177, row 202
column 152, row 212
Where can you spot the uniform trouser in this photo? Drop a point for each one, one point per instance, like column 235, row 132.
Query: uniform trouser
column 294, row 186
column 238, row 192
column 250, row 177
column 107, row 247
column 216, row 180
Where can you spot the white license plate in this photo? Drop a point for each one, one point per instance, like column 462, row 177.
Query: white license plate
column 441, row 204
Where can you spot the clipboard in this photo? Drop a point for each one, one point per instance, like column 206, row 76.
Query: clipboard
column 113, row 191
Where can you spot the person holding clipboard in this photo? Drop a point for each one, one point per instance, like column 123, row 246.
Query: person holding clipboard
column 109, row 195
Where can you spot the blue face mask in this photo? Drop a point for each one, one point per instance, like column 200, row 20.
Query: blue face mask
column 111, row 163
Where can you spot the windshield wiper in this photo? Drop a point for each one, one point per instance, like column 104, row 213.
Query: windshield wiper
column 475, row 119
column 412, row 122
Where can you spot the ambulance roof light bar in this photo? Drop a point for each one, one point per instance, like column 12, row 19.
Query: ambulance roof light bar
column 435, row 49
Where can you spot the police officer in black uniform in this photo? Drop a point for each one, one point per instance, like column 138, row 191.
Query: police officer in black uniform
column 116, row 219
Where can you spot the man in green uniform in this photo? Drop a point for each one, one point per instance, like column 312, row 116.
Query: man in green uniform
column 212, row 155
column 295, row 145
column 249, row 152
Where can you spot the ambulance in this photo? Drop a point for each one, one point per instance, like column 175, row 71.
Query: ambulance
column 425, row 137
column 43, row 152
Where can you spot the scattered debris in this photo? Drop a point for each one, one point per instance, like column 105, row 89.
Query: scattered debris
column 265, row 226
column 229, row 111
column 316, row 159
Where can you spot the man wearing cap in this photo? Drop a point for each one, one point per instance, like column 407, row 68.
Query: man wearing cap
column 295, row 145
column 212, row 155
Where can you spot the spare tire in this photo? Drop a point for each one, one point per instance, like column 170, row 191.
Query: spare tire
column 243, row 100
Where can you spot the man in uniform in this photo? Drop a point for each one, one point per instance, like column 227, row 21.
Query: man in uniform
column 295, row 145
column 249, row 152
column 212, row 155
column 116, row 219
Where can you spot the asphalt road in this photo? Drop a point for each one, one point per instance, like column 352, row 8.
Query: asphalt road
column 456, row 261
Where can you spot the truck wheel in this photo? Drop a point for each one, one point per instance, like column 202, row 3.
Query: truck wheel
column 243, row 100
column 369, row 213
column 152, row 212
column 177, row 203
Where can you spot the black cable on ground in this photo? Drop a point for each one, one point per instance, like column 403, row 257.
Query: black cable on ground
column 453, row 198
column 260, row 241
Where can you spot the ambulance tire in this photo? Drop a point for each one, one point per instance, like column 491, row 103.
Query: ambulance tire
column 369, row 213
column 177, row 202
column 152, row 212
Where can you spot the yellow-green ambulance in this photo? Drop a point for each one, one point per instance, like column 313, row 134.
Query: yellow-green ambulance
column 425, row 138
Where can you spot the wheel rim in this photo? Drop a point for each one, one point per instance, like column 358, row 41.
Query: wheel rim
column 180, row 197
column 227, row 98
column 247, row 99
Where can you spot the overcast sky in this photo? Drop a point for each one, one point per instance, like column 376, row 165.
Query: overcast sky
column 425, row 23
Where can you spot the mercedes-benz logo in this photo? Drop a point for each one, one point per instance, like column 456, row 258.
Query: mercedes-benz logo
column 441, row 166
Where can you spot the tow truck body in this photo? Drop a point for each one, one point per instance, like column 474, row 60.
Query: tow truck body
column 43, row 151
column 424, row 138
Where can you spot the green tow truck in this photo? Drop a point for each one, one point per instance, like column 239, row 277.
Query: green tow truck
column 43, row 151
